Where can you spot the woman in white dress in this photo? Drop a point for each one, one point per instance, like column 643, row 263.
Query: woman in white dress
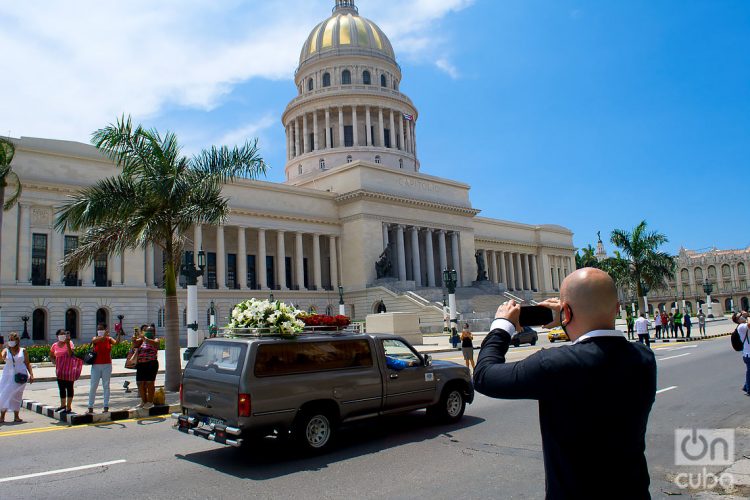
column 11, row 392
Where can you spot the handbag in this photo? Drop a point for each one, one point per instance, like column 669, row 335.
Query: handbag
column 20, row 378
column 131, row 362
column 90, row 357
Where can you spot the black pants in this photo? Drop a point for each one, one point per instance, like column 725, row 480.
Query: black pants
column 658, row 331
column 682, row 332
column 644, row 339
column 66, row 388
column 687, row 328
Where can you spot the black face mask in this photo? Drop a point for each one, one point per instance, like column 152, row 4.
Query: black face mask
column 569, row 318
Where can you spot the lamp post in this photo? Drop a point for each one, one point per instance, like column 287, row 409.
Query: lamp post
column 450, row 278
column 645, row 289
column 25, row 334
column 342, row 306
column 191, row 274
column 708, row 287
column 212, row 329
column 446, row 315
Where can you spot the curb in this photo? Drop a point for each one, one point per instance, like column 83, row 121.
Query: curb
column 73, row 418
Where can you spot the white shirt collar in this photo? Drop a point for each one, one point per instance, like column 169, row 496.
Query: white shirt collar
column 600, row 333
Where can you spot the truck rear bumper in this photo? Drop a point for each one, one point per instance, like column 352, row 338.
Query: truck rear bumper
column 218, row 433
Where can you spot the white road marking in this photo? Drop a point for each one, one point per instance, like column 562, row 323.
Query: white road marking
column 668, row 349
column 61, row 471
column 666, row 389
column 672, row 357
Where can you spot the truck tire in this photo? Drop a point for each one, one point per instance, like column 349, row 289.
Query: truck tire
column 315, row 430
column 451, row 406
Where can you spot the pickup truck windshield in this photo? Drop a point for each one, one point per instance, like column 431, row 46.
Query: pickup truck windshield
column 220, row 356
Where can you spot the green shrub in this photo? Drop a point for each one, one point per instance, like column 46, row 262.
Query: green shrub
column 40, row 353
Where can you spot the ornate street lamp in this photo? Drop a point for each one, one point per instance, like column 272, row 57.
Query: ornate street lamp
column 191, row 275
column 450, row 279
column 342, row 306
column 708, row 288
column 25, row 334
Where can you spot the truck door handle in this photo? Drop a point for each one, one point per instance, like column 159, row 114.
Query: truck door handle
column 393, row 376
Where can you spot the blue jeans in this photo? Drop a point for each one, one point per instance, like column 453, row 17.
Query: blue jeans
column 103, row 372
column 746, row 359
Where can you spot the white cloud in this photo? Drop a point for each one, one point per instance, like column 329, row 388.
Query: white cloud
column 448, row 68
column 73, row 67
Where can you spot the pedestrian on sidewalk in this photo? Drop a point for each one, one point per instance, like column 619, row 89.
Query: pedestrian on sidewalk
column 630, row 322
column 678, row 323
column 102, row 367
column 664, row 325
column 672, row 329
column 604, row 403
column 467, row 346
column 16, row 374
column 742, row 329
column 688, row 323
column 67, row 368
column 657, row 324
column 641, row 328
column 702, row 323
column 148, row 366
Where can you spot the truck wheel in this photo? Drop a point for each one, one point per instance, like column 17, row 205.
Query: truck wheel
column 451, row 406
column 315, row 430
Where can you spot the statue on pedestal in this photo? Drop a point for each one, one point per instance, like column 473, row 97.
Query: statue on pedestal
column 481, row 266
column 383, row 265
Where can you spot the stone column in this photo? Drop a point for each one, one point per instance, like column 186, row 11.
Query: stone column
column 341, row 126
column 430, row 254
column 57, row 249
column 368, row 124
column 355, row 126
column 386, row 238
column 305, row 135
column 299, row 261
column 393, row 131
column 526, row 273
column 492, row 265
column 316, row 141
column 261, row 275
column 382, row 128
column 401, row 249
column 329, row 139
column 241, row 258
column 456, row 257
column 511, row 272
column 317, row 273
column 297, row 146
column 197, row 246
column 519, row 271
column 221, row 259
column 401, row 141
column 415, row 264
column 442, row 251
column 150, row 265
column 24, row 245
column 333, row 261
column 414, row 136
column 281, row 261
column 503, row 270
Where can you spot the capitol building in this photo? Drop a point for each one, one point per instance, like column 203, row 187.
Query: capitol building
column 357, row 210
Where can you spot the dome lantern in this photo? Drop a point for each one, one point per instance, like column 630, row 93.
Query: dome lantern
column 345, row 5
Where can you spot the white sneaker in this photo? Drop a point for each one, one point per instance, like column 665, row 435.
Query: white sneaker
column 148, row 405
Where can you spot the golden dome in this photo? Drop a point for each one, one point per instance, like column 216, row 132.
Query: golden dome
column 348, row 33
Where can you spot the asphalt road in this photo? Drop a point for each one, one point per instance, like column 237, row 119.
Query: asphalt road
column 495, row 451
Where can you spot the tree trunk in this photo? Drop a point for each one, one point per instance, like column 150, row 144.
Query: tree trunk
column 172, row 347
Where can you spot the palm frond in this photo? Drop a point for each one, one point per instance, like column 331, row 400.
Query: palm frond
column 16, row 194
column 229, row 163
column 7, row 152
column 112, row 199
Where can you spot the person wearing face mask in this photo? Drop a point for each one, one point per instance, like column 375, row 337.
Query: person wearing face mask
column 67, row 368
column 595, row 395
column 15, row 375
column 148, row 366
column 102, row 367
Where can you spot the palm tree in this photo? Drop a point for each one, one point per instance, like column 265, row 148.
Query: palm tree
column 156, row 199
column 7, row 175
column 587, row 258
column 644, row 264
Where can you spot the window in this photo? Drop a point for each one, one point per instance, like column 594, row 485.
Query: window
column 189, row 256
column 39, row 325
column 39, row 259
column 288, row 277
column 348, row 136
column 252, row 282
column 685, row 275
column 387, row 137
column 71, row 322
column 308, row 357
column 399, row 350
column 102, row 316
column 741, row 269
column 220, row 357
column 725, row 272
column 377, row 159
column 698, row 275
column 349, row 159
column 211, row 271
column 346, row 77
column 270, row 273
column 232, row 281
column 395, row 84
column 326, row 79
column 310, row 84
column 71, row 277
column 711, row 273
column 400, row 163
column 160, row 318
column 329, row 310
column 299, row 170
column 366, row 78
column 383, row 81
column 322, row 163
column 100, row 270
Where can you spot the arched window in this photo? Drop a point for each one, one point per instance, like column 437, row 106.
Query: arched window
column 711, row 272
column 366, row 78
column 39, row 325
column 346, row 77
column 383, row 81
column 310, row 84
column 326, row 79
column 725, row 271
column 71, row 322
column 741, row 269
column 322, row 163
column 685, row 275
column 377, row 159
column 102, row 316
column 349, row 159
column 698, row 275
column 728, row 305
column 329, row 310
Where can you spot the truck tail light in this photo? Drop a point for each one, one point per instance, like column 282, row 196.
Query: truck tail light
column 243, row 405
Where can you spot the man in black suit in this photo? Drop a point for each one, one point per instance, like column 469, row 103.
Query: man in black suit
column 594, row 395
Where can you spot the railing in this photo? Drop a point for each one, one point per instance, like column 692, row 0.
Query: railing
column 353, row 328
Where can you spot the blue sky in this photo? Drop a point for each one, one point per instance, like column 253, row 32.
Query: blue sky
column 589, row 114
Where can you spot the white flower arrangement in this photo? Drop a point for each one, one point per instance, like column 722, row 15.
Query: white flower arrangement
column 271, row 317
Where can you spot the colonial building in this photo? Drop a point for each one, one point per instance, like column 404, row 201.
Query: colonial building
column 355, row 196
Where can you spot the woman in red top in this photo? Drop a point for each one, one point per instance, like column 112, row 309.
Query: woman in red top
column 148, row 366
column 67, row 368
column 102, row 367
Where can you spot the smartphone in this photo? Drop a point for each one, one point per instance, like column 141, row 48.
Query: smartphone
column 535, row 316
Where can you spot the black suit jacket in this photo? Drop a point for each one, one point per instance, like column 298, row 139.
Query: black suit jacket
column 594, row 400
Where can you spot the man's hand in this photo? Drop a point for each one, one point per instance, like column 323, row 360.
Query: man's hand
column 556, row 307
column 510, row 311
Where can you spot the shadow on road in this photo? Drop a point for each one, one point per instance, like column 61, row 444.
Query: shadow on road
column 268, row 458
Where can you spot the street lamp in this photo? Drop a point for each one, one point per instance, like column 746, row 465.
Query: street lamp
column 342, row 306
column 25, row 334
column 645, row 289
column 191, row 275
column 450, row 279
column 446, row 314
column 708, row 287
column 212, row 330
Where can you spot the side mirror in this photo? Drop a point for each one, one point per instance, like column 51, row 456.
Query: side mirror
column 427, row 360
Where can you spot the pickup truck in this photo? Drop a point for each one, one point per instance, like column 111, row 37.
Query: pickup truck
column 241, row 388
